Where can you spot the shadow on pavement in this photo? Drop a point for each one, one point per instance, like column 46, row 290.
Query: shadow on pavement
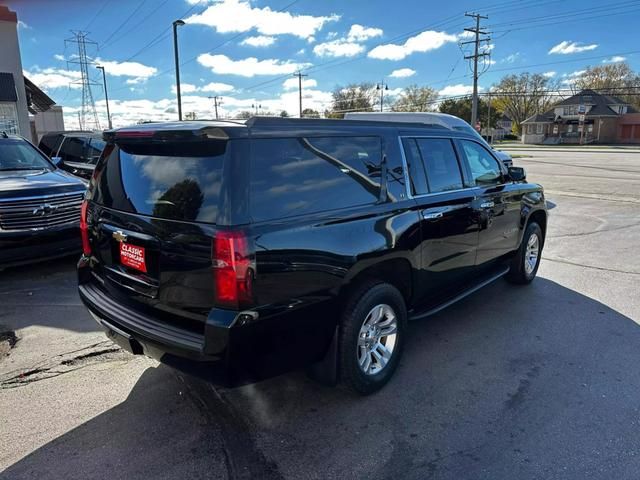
column 514, row 382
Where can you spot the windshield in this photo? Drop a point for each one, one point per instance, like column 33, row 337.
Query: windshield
column 16, row 154
column 468, row 129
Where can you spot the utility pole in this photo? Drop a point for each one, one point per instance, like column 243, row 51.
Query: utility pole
column 476, row 55
column 489, row 136
column 300, row 75
column 216, row 103
column 382, row 87
column 256, row 106
column 176, row 24
column 106, row 95
column 88, row 118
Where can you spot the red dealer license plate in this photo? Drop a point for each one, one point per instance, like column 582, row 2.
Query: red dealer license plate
column 133, row 256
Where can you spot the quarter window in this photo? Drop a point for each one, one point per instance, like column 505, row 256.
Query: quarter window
column 440, row 164
column 483, row 167
column 293, row 176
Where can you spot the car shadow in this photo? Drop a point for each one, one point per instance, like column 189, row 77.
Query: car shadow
column 513, row 382
column 44, row 294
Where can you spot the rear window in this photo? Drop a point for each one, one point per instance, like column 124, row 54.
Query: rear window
column 173, row 181
column 294, row 176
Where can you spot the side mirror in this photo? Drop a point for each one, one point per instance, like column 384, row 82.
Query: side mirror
column 517, row 174
column 57, row 161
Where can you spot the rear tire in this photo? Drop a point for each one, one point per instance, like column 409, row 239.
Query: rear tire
column 524, row 265
column 371, row 340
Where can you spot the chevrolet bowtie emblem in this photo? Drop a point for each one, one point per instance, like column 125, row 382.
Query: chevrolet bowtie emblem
column 120, row 236
column 43, row 210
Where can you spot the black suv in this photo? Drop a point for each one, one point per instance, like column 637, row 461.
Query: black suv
column 39, row 205
column 76, row 152
column 238, row 251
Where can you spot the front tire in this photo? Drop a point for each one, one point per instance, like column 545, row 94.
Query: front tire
column 372, row 332
column 524, row 265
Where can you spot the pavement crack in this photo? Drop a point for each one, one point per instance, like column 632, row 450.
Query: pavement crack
column 604, row 269
column 62, row 364
column 243, row 457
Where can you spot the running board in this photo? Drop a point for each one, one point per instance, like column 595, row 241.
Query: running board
column 460, row 296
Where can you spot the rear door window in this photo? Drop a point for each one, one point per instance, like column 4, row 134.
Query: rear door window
column 94, row 149
column 179, row 181
column 440, row 164
column 74, row 149
column 295, row 176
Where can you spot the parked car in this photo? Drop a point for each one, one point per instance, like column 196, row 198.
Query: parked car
column 239, row 251
column 39, row 205
column 430, row 118
column 76, row 151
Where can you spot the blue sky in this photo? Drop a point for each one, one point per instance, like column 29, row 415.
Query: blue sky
column 246, row 50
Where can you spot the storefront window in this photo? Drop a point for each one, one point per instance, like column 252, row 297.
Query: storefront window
column 9, row 118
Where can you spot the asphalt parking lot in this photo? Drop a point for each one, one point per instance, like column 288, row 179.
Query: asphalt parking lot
column 514, row 382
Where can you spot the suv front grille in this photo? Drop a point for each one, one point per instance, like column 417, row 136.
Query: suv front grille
column 37, row 213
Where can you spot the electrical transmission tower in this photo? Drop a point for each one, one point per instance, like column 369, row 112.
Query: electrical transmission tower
column 87, row 117
column 480, row 36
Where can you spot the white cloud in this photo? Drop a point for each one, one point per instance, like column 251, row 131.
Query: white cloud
column 248, row 67
column 52, row 78
column 338, row 48
column 423, row 42
column 300, row 52
column 217, row 87
column 185, row 88
column 258, row 41
column 454, row 90
column 466, row 35
column 549, row 74
column 138, row 71
column 229, row 16
column 213, row 87
column 614, row 59
column 360, row 33
column 291, row 83
column 59, row 57
column 332, row 35
column 23, row 25
column 403, row 73
column 572, row 78
column 566, row 47
column 511, row 58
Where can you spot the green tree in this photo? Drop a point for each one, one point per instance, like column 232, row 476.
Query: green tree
column 415, row 99
column 461, row 107
column 356, row 97
column 310, row 113
column 284, row 114
column 244, row 115
column 523, row 95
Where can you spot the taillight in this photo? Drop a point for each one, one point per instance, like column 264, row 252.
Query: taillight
column 84, row 229
column 233, row 270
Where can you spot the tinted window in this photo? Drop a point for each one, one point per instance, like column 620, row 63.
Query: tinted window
column 292, row 176
column 484, row 168
column 93, row 150
column 73, row 149
column 175, row 181
column 20, row 155
column 440, row 163
column 417, row 174
column 47, row 144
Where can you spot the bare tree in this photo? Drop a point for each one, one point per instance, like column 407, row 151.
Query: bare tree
column 616, row 79
column 521, row 96
column 415, row 99
column 356, row 97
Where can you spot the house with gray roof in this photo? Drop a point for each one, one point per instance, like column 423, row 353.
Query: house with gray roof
column 587, row 117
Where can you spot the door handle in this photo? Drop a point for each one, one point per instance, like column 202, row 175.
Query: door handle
column 432, row 216
column 487, row 205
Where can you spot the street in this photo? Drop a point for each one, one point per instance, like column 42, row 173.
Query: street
column 531, row 382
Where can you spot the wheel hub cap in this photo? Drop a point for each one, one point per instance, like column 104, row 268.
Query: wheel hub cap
column 377, row 339
column 531, row 254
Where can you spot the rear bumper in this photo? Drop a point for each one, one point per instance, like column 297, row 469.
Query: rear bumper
column 231, row 350
column 17, row 248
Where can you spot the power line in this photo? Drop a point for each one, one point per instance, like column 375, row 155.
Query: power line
column 100, row 10
column 480, row 36
column 140, row 5
column 155, row 10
